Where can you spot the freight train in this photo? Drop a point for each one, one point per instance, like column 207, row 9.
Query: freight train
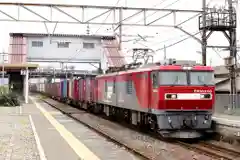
column 174, row 98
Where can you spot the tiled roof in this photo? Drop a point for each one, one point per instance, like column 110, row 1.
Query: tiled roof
column 62, row 35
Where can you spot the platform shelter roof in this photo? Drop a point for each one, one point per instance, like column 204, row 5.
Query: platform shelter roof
column 17, row 67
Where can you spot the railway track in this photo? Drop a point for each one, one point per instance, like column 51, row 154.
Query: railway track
column 212, row 150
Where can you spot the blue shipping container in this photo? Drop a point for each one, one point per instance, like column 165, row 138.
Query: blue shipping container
column 64, row 88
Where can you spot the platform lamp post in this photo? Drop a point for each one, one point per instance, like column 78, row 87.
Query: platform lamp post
column 230, row 65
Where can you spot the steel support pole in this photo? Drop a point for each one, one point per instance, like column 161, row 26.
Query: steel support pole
column 26, row 85
column 120, row 28
column 204, row 35
column 233, row 53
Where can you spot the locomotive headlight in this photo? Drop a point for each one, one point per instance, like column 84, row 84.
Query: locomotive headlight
column 202, row 96
column 174, row 96
column 205, row 96
column 170, row 96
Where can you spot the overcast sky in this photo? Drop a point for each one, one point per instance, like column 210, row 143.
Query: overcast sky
column 162, row 36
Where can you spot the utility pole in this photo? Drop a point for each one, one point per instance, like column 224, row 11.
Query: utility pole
column 120, row 28
column 204, row 34
column 233, row 52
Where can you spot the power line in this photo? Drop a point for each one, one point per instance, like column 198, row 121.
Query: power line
column 155, row 11
column 173, row 44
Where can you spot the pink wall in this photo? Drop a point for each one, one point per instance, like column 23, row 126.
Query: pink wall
column 17, row 50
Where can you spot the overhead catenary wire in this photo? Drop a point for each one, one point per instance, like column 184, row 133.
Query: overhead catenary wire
column 147, row 16
column 173, row 44
column 107, row 17
column 155, row 13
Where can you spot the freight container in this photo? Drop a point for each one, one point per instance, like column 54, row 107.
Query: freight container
column 64, row 88
column 82, row 89
column 89, row 89
column 70, row 88
column 58, row 89
column 76, row 90
column 95, row 90
column 53, row 89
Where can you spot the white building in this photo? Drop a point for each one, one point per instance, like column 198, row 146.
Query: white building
column 33, row 47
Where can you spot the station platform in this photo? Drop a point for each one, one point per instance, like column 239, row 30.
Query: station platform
column 227, row 119
column 227, row 125
column 37, row 132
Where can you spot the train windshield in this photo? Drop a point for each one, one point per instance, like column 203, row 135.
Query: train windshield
column 172, row 78
column 201, row 78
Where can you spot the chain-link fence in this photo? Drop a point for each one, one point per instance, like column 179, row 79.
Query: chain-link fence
column 227, row 104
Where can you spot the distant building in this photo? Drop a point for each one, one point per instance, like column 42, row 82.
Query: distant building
column 25, row 47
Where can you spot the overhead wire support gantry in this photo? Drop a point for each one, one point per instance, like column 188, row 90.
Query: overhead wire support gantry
column 221, row 20
column 118, row 19
column 84, row 8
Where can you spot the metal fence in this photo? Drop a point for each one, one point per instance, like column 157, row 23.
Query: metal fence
column 224, row 105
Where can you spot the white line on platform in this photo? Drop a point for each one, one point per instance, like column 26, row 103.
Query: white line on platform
column 39, row 146
column 225, row 119
column 80, row 149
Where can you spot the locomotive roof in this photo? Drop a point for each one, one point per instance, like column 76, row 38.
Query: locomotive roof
column 160, row 67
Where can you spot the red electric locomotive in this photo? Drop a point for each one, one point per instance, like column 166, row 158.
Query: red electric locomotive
column 174, row 98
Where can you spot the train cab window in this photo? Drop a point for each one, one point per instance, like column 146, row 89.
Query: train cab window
column 201, row 78
column 172, row 78
column 154, row 80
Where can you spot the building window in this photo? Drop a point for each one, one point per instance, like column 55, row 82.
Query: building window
column 37, row 44
column 88, row 45
column 63, row 45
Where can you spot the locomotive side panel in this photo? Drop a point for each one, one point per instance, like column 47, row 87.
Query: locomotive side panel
column 110, row 91
column 127, row 96
column 142, row 86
